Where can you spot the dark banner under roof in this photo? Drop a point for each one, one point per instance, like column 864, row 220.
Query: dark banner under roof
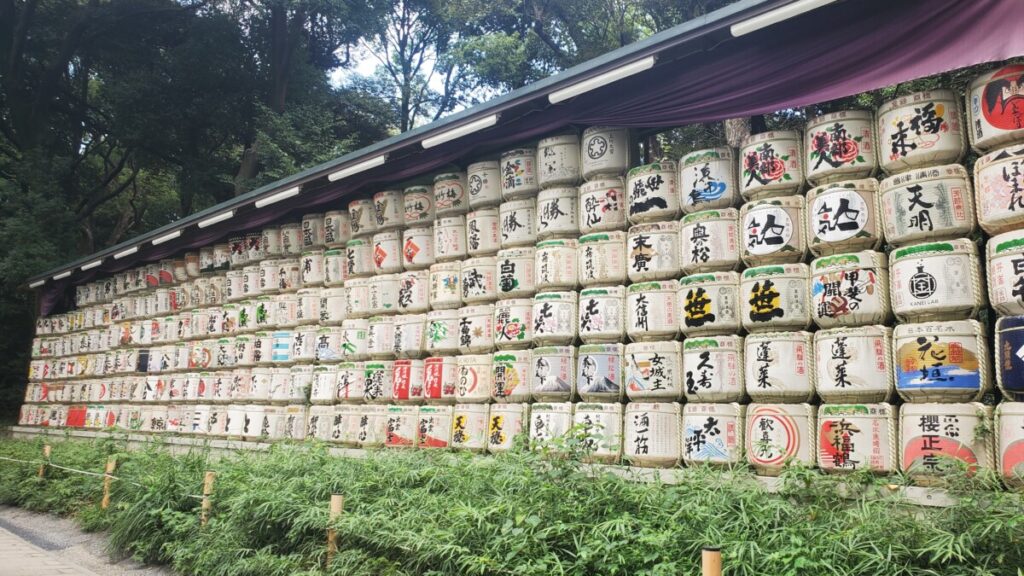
column 832, row 52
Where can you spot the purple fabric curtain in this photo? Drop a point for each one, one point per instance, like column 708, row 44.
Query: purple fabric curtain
column 835, row 51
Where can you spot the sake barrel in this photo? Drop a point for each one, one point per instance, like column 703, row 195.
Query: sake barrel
column 329, row 340
column 450, row 238
column 372, row 425
column 600, row 427
column 999, row 185
column 854, row 364
column 555, row 264
column 286, row 310
column 933, row 435
column 439, row 379
column 450, row 194
column 779, row 366
column 384, row 294
column 651, row 311
column 192, row 266
column 1010, row 443
column 506, row 422
column 434, row 428
column 601, row 258
column 445, row 286
column 557, row 213
column 554, row 318
column 855, row 437
column 254, row 246
column 778, row 434
column 774, row 231
column 771, row 165
column 843, row 217
column 653, row 251
column 233, row 290
column 377, row 381
column 927, row 204
column 1009, row 359
column 318, row 424
column 549, row 421
column 516, row 273
column 482, row 231
column 710, row 303
column 601, row 314
column 351, row 383
column 301, row 383
column 714, row 368
column 709, row 241
column 475, row 378
column 312, row 231
column 599, row 372
column 245, row 351
column 309, row 305
column 775, row 297
column 387, row 252
column 362, row 217
column 519, row 173
column 484, row 184
column 269, row 278
column 936, row 281
column 357, row 297
column 707, row 180
column 344, row 427
column 335, row 268
column 418, row 203
column 558, row 161
column 389, row 209
column 476, row 329
column 354, row 343
column 443, row 332
column 654, row 371
column 850, row 289
column 359, row 258
column 380, row 337
column 920, row 129
column 333, row 306
column 603, row 205
column 605, row 150
column 995, row 108
column 1005, row 256
column 337, row 228
column 417, row 248
column 407, row 381
column 235, row 422
column 479, row 280
column 469, row 426
column 840, row 146
column 513, row 323
column 652, row 434
column 263, row 348
column 288, row 275
column 510, row 379
column 295, row 416
column 941, row 361
column 518, row 222
column 410, row 334
column 713, row 433
column 260, row 385
column 553, row 374
column 653, row 192
column 413, row 291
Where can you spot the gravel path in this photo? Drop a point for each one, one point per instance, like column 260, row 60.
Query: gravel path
column 62, row 538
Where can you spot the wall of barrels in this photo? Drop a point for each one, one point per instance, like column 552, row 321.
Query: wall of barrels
column 826, row 297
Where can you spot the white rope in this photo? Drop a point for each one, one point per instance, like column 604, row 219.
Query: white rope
column 22, row 461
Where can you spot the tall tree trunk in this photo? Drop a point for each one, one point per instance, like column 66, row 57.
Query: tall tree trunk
column 736, row 129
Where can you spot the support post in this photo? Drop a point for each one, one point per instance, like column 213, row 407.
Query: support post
column 711, row 561
column 46, row 460
column 204, row 513
column 107, row 476
column 337, row 501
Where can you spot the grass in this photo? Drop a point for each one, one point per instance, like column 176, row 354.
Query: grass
column 524, row 513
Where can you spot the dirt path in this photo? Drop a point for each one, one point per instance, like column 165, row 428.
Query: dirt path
column 61, row 539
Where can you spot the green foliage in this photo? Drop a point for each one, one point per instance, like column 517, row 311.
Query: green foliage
column 414, row 512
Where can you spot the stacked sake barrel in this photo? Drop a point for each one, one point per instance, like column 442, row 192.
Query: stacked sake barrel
column 783, row 302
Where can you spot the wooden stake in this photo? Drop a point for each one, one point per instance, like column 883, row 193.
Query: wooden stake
column 46, row 460
column 204, row 514
column 337, row 501
column 711, row 561
column 107, row 472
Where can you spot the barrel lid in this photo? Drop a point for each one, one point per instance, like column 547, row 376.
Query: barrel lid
column 917, row 98
column 705, row 155
column 662, row 166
